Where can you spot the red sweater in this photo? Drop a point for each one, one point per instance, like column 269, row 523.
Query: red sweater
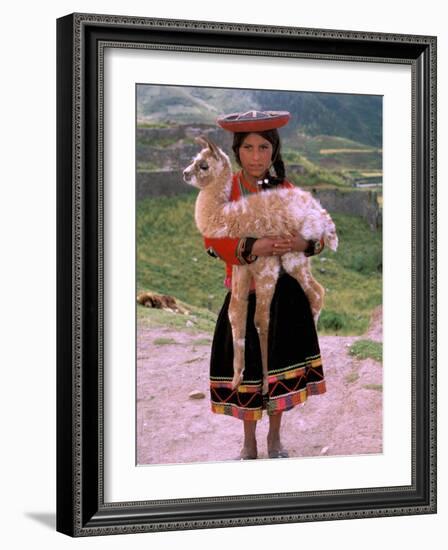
column 227, row 249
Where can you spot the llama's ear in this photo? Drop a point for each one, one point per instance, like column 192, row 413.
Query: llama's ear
column 207, row 143
column 213, row 147
column 201, row 141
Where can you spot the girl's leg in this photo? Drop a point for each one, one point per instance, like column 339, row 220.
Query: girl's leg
column 249, row 449
column 275, row 449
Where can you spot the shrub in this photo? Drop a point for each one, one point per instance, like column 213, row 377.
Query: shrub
column 363, row 349
column 332, row 320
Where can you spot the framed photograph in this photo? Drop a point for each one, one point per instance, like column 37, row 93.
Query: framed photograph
column 152, row 433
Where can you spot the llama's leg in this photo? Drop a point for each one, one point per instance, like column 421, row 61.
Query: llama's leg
column 298, row 266
column 315, row 294
column 241, row 278
column 265, row 274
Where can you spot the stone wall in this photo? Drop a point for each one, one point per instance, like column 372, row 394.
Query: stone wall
column 351, row 201
column 166, row 184
column 167, row 158
column 359, row 202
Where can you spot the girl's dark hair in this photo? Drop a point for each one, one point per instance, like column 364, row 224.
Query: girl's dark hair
column 274, row 139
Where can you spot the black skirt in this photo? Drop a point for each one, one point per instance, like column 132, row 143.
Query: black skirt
column 294, row 362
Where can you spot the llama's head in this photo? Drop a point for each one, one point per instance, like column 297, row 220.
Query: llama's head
column 209, row 166
column 332, row 241
column 330, row 236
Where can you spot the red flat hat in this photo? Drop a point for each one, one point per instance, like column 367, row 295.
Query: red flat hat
column 254, row 121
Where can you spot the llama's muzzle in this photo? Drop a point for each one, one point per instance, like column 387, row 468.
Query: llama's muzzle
column 187, row 175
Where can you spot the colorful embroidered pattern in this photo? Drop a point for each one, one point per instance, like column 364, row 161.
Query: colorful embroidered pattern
column 287, row 388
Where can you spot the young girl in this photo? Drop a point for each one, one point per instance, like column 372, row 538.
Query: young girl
column 294, row 365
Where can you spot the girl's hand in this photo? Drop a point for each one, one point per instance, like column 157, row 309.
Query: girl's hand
column 299, row 244
column 277, row 246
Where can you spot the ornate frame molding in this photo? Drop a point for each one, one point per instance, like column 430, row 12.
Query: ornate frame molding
column 81, row 509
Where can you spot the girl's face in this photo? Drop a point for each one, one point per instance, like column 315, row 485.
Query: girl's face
column 255, row 155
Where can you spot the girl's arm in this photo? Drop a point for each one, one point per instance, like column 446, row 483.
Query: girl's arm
column 232, row 251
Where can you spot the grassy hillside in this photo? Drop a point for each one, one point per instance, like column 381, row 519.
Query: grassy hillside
column 337, row 153
column 171, row 259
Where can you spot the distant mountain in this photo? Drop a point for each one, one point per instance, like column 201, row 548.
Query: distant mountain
column 353, row 116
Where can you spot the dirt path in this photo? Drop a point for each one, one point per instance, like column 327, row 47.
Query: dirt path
column 175, row 428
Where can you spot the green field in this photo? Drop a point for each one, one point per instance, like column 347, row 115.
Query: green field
column 331, row 160
column 344, row 153
column 171, row 259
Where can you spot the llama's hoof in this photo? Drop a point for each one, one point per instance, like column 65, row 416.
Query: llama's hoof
column 237, row 379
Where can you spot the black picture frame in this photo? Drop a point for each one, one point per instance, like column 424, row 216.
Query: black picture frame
column 81, row 510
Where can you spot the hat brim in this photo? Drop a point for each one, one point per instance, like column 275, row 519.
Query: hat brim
column 255, row 124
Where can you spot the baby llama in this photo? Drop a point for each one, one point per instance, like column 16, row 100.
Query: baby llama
column 270, row 213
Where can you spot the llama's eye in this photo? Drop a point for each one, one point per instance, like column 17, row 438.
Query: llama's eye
column 203, row 166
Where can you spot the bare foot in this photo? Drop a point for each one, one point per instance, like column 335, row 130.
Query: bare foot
column 276, row 449
column 278, row 453
column 248, row 453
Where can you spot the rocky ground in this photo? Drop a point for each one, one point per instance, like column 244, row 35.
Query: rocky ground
column 175, row 424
